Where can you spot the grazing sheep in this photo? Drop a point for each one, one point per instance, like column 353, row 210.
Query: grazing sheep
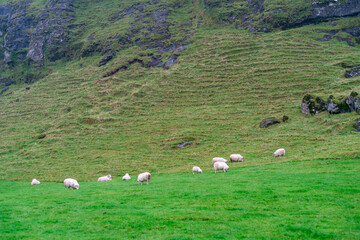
column 236, row 158
column 221, row 166
column 71, row 183
column 218, row 159
column 105, row 178
column 35, row 182
column 144, row 177
column 126, row 177
column 279, row 152
column 196, row 169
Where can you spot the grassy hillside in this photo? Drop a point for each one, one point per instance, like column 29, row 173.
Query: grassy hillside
column 224, row 84
column 298, row 200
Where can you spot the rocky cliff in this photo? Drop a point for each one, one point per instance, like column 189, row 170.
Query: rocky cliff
column 27, row 33
column 34, row 32
column 268, row 15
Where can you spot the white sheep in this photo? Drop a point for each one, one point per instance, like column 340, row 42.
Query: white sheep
column 196, row 169
column 236, row 158
column 105, row 178
column 218, row 159
column 71, row 183
column 35, row 182
column 279, row 152
column 144, row 177
column 221, row 166
column 126, row 177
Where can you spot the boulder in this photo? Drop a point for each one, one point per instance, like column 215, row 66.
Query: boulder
column 357, row 105
column 184, row 144
column 336, row 106
column 354, row 72
column 353, row 101
column 312, row 105
column 357, row 125
column 268, row 122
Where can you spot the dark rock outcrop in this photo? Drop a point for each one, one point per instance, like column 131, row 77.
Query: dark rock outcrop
column 329, row 9
column 171, row 61
column 354, row 72
column 353, row 101
column 353, row 31
column 150, row 29
column 4, row 90
column 357, row 125
column 15, row 22
column 51, row 29
column 42, row 136
column 312, row 105
column 105, row 59
column 348, row 40
column 154, row 62
column 27, row 35
column 268, row 122
column 112, row 72
column 336, row 106
column 260, row 17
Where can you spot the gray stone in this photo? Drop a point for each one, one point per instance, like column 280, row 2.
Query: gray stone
column 4, row 90
column 155, row 62
column 51, row 29
column 171, row 61
column 326, row 9
column 184, row 144
column 352, row 100
column 354, row 72
column 105, row 59
column 268, row 122
column 312, row 105
column 7, row 57
column 357, row 105
column 17, row 23
column 357, row 125
column 336, row 106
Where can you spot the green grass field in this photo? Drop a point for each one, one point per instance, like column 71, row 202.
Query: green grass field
column 76, row 123
column 294, row 200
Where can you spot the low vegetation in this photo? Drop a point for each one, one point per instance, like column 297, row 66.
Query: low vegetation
column 297, row 200
column 64, row 119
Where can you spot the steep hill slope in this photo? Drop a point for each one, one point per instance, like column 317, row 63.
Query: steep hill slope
column 75, row 122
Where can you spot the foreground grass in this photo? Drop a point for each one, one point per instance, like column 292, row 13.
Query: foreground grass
column 297, row 200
